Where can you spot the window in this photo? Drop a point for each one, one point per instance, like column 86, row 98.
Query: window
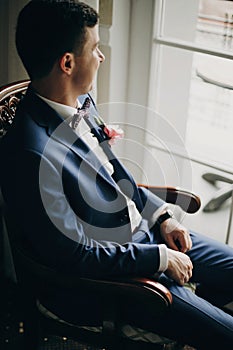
column 192, row 77
column 191, row 90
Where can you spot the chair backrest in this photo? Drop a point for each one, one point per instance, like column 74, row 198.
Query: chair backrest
column 10, row 96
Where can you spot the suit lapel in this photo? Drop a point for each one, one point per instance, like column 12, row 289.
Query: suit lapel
column 120, row 172
column 59, row 130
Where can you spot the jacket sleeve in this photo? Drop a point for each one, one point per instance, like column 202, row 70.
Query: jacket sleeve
column 151, row 203
column 53, row 232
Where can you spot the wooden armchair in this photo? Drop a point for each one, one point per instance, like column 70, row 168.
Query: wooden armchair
column 113, row 294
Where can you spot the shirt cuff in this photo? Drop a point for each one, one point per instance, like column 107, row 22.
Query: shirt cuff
column 158, row 212
column 163, row 265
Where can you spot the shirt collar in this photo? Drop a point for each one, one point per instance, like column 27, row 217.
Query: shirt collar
column 64, row 110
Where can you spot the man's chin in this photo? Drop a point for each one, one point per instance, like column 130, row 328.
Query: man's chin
column 87, row 90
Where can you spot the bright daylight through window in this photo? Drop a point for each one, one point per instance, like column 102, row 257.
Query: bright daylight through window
column 210, row 113
column 192, row 75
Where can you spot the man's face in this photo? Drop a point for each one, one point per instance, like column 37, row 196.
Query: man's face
column 87, row 63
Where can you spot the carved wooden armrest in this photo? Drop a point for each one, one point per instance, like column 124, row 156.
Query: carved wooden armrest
column 118, row 289
column 188, row 201
column 110, row 290
column 141, row 288
column 114, row 296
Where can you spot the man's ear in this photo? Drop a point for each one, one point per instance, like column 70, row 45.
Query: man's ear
column 66, row 63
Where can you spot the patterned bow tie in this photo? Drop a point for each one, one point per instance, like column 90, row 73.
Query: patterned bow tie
column 81, row 113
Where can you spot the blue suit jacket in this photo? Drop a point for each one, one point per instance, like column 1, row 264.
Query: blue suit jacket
column 71, row 214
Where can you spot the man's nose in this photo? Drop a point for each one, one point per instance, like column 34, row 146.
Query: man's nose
column 101, row 56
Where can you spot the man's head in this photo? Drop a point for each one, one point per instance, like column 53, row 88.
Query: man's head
column 48, row 29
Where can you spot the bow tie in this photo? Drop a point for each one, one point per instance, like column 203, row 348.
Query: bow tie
column 81, row 113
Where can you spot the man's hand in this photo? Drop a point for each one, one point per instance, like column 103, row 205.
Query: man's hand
column 175, row 235
column 179, row 267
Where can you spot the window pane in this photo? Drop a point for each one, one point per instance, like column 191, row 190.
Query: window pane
column 194, row 91
column 194, row 20
column 210, row 117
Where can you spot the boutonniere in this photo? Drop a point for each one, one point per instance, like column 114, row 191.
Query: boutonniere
column 113, row 132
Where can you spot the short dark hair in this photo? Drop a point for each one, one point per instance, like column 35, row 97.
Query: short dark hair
column 46, row 29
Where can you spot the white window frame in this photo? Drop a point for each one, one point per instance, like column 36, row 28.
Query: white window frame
column 161, row 41
column 156, row 102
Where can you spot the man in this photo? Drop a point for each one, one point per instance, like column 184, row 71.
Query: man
column 78, row 209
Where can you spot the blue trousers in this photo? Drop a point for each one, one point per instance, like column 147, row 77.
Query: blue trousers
column 197, row 319
column 194, row 319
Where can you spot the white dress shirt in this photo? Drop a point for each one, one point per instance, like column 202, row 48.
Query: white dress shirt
column 83, row 131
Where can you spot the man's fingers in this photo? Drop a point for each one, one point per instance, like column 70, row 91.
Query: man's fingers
column 179, row 267
column 175, row 235
column 189, row 242
column 173, row 245
column 185, row 243
column 181, row 243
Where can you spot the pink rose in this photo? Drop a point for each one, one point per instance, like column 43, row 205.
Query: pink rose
column 114, row 133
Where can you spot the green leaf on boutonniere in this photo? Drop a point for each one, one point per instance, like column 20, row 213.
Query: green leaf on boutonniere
column 99, row 121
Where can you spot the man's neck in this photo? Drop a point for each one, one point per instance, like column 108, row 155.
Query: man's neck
column 58, row 91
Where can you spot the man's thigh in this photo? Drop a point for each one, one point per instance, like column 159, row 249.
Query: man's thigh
column 212, row 262
column 193, row 318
